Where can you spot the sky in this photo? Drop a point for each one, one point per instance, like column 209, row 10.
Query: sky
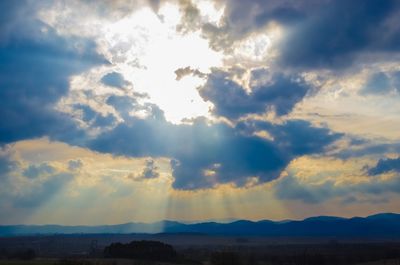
column 194, row 110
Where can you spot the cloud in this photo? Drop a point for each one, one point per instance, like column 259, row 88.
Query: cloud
column 88, row 113
column 37, row 64
column 297, row 135
column 150, row 171
column 190, row 20
column 94, row 118
column 371, row 147
column 122, row 104
column 35, row 70
column 348, row 181
column 74, row 164
column 39, row 193
column 205, row 155
column 127, row 106
column 182, row 72
column 385, row 165
column 338, row 31
column 7, row 165
column 378, row 83
column 317, row 34
column 396, row 81
column 353, row 200
column 371, row 190
column 290, row 188
column 28, row 187
column 279, row 93
column 103, row 121
column 245, row 17
column 34, row 171
column 242, row 18
column 382, row 83
column 114, row 79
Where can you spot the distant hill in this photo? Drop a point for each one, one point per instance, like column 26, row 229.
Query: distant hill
column 385, row 225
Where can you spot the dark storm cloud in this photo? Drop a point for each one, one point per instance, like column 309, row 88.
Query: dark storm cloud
column 235, row 157
column 35, row 68
column 280, row 94
column 114, row 79
column 244, row 17
column 385, row 165
column 230, row 157
column 204, row 155
column 297, row 135
column 137, row 137
column 334, row 34
column 318, row 34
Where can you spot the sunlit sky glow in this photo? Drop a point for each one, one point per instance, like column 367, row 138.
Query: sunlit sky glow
column 119, row 111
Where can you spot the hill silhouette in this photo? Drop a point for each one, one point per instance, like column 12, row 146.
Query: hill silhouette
column 378, row 225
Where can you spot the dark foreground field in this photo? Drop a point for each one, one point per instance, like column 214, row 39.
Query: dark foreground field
column 198, row 249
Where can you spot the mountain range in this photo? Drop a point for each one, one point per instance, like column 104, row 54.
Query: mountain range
column 384, row 225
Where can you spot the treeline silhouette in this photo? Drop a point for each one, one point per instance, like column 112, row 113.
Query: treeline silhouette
column 144, row 249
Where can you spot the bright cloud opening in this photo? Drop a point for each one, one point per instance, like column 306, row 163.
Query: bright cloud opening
column 149, row 51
